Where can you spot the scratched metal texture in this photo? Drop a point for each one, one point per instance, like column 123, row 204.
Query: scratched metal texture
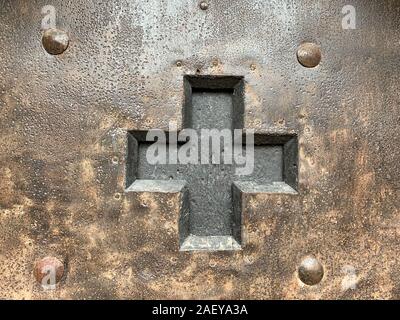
column 63, row 124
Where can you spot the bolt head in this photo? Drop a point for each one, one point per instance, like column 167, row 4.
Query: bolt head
column 44, row 267
column 309, row 55
column 310, row 271
column 55, row 41
column 203, row 5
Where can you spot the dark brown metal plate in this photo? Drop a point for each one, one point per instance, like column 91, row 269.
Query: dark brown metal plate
column 63, row 128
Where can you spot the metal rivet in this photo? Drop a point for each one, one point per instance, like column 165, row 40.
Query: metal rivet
column 309, row 55
column 55, row 41
column 203, row 5
column 179, row 63
column 143, row 205
column 115, row 160
column 46, row 266
column 117, row 196
column 310, row 271
column 253, row 67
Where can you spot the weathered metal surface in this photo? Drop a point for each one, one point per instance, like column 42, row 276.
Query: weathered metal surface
column 63, row 128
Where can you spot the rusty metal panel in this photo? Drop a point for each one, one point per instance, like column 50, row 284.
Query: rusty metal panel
column 78, row 81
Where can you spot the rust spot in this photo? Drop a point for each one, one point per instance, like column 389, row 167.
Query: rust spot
column 46, row 266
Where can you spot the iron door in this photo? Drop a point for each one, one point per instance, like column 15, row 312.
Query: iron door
column 317, row 81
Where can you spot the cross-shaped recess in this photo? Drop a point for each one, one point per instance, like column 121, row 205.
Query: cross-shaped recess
column 211, row 215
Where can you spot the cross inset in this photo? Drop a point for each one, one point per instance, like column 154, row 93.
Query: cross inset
column 211, row 214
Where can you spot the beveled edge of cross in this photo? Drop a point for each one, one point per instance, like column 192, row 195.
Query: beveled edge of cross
column 190, row 242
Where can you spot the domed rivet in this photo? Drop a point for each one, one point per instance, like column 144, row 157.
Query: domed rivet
column 55, row 41
column 49, row 271
column 203, row 5
column 309, row 55
column 310, row 271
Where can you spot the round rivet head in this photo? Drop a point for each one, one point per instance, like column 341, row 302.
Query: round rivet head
column 51, row 268
column 203, row 5
column 311, row 271
column 55, row 41
column 309, row 55
column 117, row 196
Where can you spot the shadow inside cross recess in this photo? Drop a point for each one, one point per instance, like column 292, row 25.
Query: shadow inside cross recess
column 211, row 215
